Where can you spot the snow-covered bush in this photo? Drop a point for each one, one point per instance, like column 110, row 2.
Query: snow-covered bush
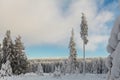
column 81, row 67
column 63, row 68
column 39, row 70
column 94, row 66
column 57, row 72
column 6, row 69
column 77, row 70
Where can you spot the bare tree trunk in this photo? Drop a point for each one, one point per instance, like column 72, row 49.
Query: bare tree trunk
column 83, row 58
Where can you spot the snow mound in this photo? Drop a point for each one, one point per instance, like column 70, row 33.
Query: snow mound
column 30, row 74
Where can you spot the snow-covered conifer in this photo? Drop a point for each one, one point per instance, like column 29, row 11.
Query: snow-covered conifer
column 6, row 69
column 7, row 47
column 57, row 72
column 39, row 70
column 72, row 58
column 63, row 68
column 3, row 71
column 77, row 70
column 81, row 66
column 94, row 66
column 84, row 34
column 19, row 60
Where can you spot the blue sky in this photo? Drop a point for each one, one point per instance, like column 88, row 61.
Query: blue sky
column 45, row 25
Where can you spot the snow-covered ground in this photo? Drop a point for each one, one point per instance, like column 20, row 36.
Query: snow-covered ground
column 50, row 77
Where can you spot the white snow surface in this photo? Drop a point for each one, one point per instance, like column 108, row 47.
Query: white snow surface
column 32, row 76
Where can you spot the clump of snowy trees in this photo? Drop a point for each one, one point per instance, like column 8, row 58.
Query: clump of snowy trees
column 113, row 60
column 57, row 72
column 12, row 56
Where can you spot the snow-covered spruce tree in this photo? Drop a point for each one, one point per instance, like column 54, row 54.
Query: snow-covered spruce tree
column 113, row 60
column 19, row 61
column 39, row 70
column 80, row 66
column 3, row 71
column 104, row 68
column 57, row 72
column 68, row 67
column 72, row 58
column 99, row 69
column 77, row 70
column 6, row 69
column 94, row 66
column 63, row 68
column 88, row 67
column 7, row 48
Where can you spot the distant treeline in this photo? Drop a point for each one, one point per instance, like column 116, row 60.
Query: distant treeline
column 93, row 65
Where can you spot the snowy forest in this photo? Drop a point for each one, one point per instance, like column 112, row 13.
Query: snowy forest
column 13, row 57
column 93, row 65
column 72, row 64
column 59, row 40
column 14, row 61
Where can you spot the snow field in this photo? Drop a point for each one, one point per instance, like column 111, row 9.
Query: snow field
column 66, row 77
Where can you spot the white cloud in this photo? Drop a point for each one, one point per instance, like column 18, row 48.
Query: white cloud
column 40, row 21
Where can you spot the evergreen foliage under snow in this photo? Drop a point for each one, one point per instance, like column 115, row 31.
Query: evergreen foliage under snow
column 113, row 60
column 72, row 60
column 6, row 69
